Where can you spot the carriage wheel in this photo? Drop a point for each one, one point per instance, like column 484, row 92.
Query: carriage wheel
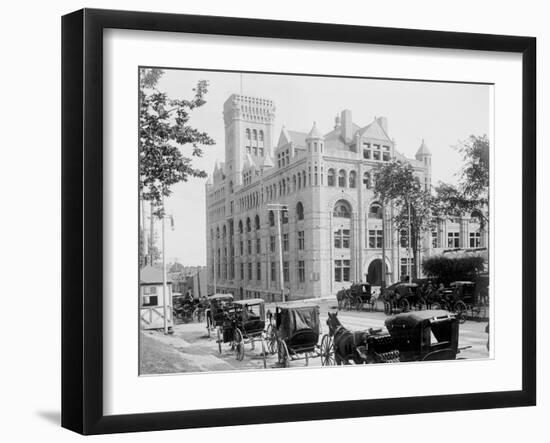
column 239, row 344
column 327, row 351
column 264, row 352
column 460, row 309
column 271, row 337
column 219, row 340
column 404, row 305
column 284, row 356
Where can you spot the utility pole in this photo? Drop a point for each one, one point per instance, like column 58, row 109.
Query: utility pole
column 409, row 262
column 164, row 288
column 279, row 209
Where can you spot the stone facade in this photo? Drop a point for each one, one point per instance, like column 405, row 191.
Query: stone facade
column 331, row 234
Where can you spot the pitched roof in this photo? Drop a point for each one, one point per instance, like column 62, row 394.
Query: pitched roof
column 267, row 161
column 423, row 149
column 374, row 130
column 150, row 275
column 299, row 138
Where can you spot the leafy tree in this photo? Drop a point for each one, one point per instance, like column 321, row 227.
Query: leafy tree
column 164, row 134
column 449, row 269
column 395, row 181
column 472, row 193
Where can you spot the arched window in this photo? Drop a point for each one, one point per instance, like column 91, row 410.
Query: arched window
column 248, row 135
column 367, row 180
column 257, row 222
column 248, row 227
column 300, row 211
column 304, row 179
column 294, row 183
column 330, row 177
column 352, row 179
column 231, row 187
column 342, row 209
column 284, row 215
column 342, row 178
column 271, row 218
column 261, row 136
column 240, row 226
column 218, row 232
column 375, row 210
column 299, row 181
column 255, row 135
column 224, row 231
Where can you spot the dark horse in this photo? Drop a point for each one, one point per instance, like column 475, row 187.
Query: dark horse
column 348, row 345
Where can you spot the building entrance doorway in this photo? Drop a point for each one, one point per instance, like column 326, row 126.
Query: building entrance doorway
column 374, row 276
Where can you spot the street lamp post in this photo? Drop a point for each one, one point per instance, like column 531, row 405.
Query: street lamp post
column 279, row 208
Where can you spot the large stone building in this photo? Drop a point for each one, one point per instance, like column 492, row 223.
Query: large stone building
column 331, row 234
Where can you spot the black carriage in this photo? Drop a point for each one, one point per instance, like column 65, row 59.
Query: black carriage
column 424, row 335
column 183, row 308
column 215, row 312
column 358, row 296
column 403, row 296
column 295, row 336
column 243, row 323
column 463, row 297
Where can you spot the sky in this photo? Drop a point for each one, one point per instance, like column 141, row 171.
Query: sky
column 443, row 114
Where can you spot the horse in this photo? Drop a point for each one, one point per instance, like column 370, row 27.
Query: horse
column 341, row 296
column 348, row 345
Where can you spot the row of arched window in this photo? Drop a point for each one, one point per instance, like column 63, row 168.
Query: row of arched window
column 345, row 180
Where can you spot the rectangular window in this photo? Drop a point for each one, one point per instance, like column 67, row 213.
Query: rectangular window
column 286, row 272
column 386, row 156
column 250, row 271
column 475, row 239
column 272, row 243
column 241, row 247
column 301, row 271
column 346, row 270
column 376, row 155
column 301, row 240
column 405, row 262
column 453, row 239
column 375, row 238
column 285, row 242
column 341, row 238
column 366, row 154
column 242, row 271
column 249, row 246
column 258, row 246
column 338, row 239
column 435, row 240
column 258, row 271
column 150, row 300
column 273, row 271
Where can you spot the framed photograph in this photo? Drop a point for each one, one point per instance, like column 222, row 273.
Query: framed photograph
column 270, row 221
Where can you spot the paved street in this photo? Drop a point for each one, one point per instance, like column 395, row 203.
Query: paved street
column 190, row 349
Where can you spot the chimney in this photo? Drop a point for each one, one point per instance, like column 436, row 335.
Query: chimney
column 383, row 121
column 347, row 125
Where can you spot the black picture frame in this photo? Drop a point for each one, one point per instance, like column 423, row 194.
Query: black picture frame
column 82, row 219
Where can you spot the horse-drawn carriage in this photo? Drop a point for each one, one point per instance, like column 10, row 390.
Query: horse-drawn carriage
column 295, row 336
column 215, row 312
column 463, row 298
column 243, row 323
column 412, row 336
column 356, row 297
column 403, row 296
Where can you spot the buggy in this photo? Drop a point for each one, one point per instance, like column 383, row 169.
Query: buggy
column 424, row 335
column 243, row 323
column 461, row 297
column 402, row 296
column 295, row 336
column 215, row 313
column 356, row 297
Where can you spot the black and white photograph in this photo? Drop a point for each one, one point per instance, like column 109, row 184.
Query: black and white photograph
column 293, row 221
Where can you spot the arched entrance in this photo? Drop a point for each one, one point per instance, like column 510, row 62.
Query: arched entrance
column 374, row 275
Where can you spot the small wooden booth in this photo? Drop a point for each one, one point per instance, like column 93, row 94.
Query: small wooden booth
column 151, row 302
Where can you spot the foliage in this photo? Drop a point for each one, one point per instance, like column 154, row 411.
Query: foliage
column 472, row 193
column 395, row 181
column 449, row 269
column 164, row 131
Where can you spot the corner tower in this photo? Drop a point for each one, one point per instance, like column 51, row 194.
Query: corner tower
column 425, row 156
column 248, row 130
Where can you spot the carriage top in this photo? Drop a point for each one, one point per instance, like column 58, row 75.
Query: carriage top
column 412, row 319
column 250, row 301
column 220, row 297
column 291, row 319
